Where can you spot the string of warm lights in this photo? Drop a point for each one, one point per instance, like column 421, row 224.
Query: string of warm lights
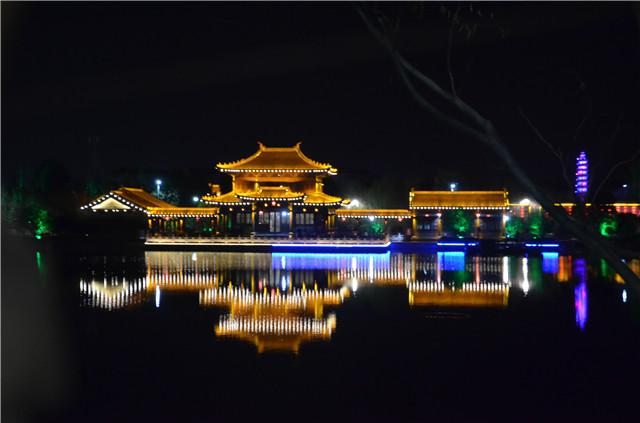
column 482, row 286
column 329, row 171
column 296, row 298
column 110, row 296
column 275, row 325
column 268, row 198
column 179, row 212
column 412, row 207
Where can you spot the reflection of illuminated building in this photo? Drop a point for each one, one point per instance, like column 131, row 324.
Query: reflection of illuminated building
column 434, row 294
column 275, row 320
column 550, row 262
column 271, row 333
column 113, row 294
column 564, row 268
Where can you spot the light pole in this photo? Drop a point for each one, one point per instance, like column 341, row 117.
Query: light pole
column 195, row 198
column 453, row 186
column 158, row 183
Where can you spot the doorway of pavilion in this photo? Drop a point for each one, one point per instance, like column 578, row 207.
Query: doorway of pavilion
column 272, row 222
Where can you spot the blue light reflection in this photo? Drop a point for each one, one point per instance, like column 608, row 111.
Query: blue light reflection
column 331, row 261
column 550, row 262
column 451, row 260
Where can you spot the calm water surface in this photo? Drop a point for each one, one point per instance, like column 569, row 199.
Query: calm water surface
column 206, row 336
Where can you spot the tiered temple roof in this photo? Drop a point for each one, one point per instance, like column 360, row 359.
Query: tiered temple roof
column 470, row 200
column 278, row 160
column 280, row 174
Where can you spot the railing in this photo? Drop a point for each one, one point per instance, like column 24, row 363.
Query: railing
column 240, row 240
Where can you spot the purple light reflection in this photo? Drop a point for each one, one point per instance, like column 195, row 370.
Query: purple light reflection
column 580, row 293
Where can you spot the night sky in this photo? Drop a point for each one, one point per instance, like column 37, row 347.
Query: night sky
column 170, row 86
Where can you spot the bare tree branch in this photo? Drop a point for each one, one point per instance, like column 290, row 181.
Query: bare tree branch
column 583, row 88
column 555, row 152
column 454, row 21
column 489, row 137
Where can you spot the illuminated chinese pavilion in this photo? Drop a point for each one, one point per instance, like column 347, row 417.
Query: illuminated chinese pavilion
column 276, row 191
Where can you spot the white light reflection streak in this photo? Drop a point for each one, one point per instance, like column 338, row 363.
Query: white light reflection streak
column 525, row 276
column 157, row 296
column 505, row 269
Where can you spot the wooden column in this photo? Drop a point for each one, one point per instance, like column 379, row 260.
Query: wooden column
column 290, row 220
column 326, row 222
column 253, row 219
column 414, row 227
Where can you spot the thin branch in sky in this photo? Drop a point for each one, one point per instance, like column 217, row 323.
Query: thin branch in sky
column 554, row 151
column 454, row 22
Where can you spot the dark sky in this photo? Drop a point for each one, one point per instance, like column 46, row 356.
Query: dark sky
column 177, row 86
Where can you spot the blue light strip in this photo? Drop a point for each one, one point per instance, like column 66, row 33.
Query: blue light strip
column 542, row 245
column 457, row 244
column 385, row 245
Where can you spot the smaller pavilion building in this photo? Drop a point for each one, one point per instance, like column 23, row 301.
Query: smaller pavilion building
column 156, row 217
column 487, row 209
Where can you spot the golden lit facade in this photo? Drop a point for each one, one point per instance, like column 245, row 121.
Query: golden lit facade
column 277, row 191
column 488, row 210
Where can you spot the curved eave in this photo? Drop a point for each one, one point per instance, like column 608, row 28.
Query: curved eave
column 259, row 198
column 322, row 200
column 183, row 212
column 102, row 198
column 228, row 199
column 283, row 170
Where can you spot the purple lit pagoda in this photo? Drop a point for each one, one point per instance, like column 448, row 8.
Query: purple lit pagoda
column 582, row 175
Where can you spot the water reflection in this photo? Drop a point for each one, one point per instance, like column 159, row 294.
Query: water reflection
column 275, row 319
column 279, row 301
column 580, row 293
column 550, row 262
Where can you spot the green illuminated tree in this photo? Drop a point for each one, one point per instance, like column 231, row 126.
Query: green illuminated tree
column 458, row 222
column 514, row 227
column 535, row 225
column 42, row 223
column 608, row 226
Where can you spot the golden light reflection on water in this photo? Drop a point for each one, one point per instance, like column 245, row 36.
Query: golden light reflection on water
column 279, row 301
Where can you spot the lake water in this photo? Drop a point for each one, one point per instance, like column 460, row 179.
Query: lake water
column 216, row 336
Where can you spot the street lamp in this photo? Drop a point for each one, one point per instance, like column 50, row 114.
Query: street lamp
column 453, row 186
column 195, row 199
column 158, row 183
